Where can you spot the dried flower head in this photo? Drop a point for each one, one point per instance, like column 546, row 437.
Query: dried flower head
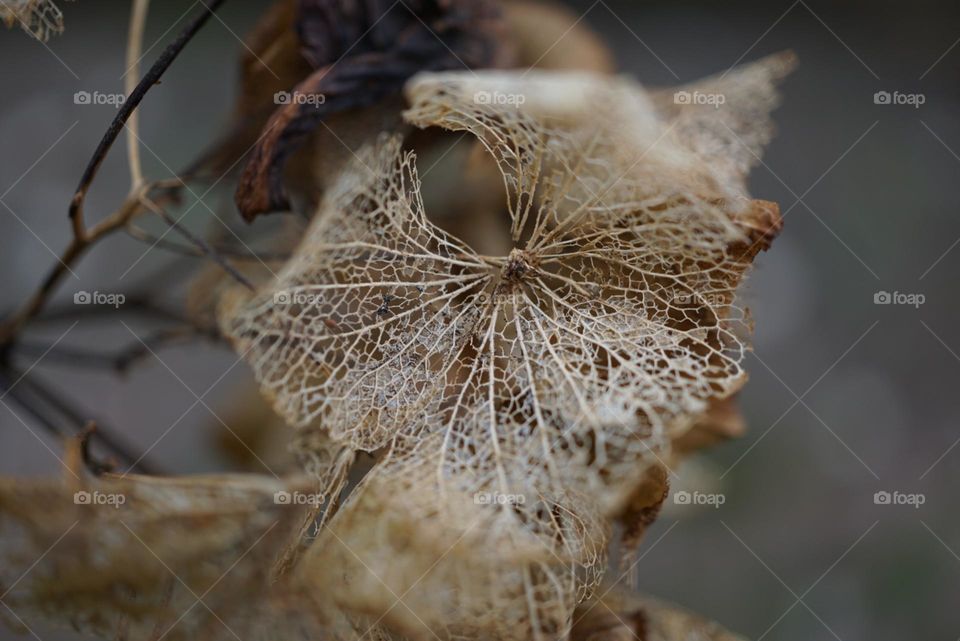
column 551, row 375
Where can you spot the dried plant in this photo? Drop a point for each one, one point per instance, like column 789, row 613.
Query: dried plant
column 484, row 386
column 551, row 376
column 39, row 18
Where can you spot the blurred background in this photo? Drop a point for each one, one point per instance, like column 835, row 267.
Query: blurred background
column 847, row 397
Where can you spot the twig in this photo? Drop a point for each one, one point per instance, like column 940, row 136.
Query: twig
column 138, row 20
column 200, row 243
column 151, row 78
column 137, row 304
column 96, row 467
column 138, row 233
column 82, row 236
column 46, row 397
column 121, row 360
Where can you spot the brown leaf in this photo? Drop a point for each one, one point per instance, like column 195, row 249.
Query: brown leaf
column 362, row 52
column 722, row 421
column 618, row 615
column 138, row 553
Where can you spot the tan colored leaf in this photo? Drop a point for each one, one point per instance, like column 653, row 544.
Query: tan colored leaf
column 623, row 616
column 180, row 558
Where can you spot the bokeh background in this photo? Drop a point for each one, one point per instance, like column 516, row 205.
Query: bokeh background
column 846, row 398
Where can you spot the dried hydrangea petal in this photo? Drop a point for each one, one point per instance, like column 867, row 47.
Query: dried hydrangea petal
column 557, row 371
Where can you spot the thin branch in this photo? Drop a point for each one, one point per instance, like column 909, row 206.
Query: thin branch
column 200, row 243
column 83, row 237
column 46, row 397
column 135, row 304
column 151, row 78
column 144, row 236
column 138, row 20
column 121, row 360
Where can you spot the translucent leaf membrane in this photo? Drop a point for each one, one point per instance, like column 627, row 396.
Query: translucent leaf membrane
column 550, row 377
column 39, row 18
column 425, row 558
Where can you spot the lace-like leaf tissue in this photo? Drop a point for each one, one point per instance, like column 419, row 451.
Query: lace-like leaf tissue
column 519, row 397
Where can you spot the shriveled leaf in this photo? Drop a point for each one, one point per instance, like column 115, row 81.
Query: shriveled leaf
column 39, row 18
column 361, row 53
column 725, row 118
column 425, row 560
column 557, row 371
column 143, row 557
column 722, row 421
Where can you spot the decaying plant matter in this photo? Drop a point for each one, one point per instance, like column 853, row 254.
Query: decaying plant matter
column 39, row 18
column 483, row 390
column 553, row 375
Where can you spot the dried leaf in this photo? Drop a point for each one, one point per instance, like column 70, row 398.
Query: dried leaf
column 618, row 615
column 138, row 554
column 362, row 52
column 722, row 421
column 39, row 18
column 557, row 372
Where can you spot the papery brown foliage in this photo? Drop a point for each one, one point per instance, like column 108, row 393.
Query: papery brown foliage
column 361, row 53
column 145, row 557
column 558, row 371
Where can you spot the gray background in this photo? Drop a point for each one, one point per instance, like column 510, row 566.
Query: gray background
column 799, row 550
